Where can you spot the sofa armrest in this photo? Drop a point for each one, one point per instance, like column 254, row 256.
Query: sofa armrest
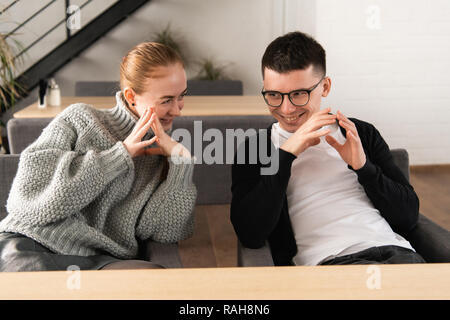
column 261, row 257
column 430, row 240
column 165, row 254
column 8, row 169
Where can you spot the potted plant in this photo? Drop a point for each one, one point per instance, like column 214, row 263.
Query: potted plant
column 168, row 38
column 10, row 90
column 212, row 80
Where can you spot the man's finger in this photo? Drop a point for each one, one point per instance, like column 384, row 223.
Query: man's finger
column 348, row 127
column 320, row 133
column 343, row 118
column 333, row 142
column 353, row 139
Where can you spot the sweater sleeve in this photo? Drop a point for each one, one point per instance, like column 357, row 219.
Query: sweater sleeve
column 385, row 184
column 169, row 214
column 257, row 200
column 54, row 182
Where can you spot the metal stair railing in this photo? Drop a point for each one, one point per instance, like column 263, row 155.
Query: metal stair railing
column 73, row 43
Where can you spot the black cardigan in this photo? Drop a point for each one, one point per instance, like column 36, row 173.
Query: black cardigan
column 259, row 209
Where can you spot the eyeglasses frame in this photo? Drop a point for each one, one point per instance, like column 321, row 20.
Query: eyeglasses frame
column 263, row 92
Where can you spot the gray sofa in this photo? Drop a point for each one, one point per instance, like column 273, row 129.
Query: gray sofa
column 213, row 183
column 429, row 239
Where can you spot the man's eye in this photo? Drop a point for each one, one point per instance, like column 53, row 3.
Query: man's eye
column 166, row 101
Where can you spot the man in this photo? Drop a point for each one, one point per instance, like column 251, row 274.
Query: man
column 337, row 197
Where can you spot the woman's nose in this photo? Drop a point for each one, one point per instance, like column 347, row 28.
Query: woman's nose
column 176, row 108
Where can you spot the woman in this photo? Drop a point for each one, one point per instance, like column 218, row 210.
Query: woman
column 89, row 188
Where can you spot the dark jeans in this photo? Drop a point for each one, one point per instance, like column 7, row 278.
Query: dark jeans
column 379, row 255
column 20, row 253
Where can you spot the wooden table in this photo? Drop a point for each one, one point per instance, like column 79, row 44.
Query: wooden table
column 193, row 106
column 414, row 281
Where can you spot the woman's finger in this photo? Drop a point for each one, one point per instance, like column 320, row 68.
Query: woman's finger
column 158, row 125
column 144, row 129
column 142, row 120
column 154, row 120
column 146, row 143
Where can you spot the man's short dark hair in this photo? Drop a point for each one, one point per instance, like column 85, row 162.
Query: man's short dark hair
column 294, row 51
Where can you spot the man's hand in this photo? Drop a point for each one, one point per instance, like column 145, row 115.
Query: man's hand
column 351, row 151
column 309, row 134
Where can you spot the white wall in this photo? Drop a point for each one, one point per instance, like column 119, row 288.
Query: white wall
column 388, row 60
column 206, row 29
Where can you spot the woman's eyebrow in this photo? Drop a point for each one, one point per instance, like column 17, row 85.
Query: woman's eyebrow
column 170, row 97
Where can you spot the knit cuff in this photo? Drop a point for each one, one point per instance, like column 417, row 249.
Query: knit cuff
column 180, row 171
column 366, row 173
column 115, row 161
column 286, row 159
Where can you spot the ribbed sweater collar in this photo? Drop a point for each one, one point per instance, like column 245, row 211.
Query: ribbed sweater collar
column 123, row 120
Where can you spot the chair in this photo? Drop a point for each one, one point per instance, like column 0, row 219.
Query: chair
column 96, row 88
column 429, row 239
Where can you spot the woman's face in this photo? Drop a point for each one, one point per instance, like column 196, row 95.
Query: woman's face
column 164, row 92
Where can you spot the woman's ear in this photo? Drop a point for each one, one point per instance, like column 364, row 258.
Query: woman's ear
column 129, row 95
column 326, row 86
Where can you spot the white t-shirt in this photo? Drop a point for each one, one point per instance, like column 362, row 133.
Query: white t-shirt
column 329, row 210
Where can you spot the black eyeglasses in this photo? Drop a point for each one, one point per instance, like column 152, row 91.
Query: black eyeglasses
column 298, row 98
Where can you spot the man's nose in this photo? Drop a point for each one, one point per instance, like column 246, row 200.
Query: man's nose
column 287, row 107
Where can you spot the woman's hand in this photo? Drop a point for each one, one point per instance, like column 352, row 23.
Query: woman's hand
column 133, row 143
column 167, row 146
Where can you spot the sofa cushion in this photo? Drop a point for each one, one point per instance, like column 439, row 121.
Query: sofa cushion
column 23, row 131
column 8, row 169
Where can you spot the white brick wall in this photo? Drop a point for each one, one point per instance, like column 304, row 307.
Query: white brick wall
column 395, row 76
column 391, row 70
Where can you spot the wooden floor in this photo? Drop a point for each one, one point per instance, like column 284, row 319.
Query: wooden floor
column 214, row 243
column 432, row 185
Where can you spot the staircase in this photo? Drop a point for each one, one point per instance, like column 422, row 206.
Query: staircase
column 66, row 38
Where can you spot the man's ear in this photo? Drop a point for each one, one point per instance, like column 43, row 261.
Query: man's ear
column 326, row 86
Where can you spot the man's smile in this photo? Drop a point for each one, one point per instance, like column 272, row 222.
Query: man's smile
column 291, row 119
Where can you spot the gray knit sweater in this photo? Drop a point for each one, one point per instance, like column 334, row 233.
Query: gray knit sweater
column 78, row 191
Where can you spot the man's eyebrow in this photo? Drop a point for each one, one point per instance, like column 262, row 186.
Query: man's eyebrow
column 170, row 97
column 301, row 89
